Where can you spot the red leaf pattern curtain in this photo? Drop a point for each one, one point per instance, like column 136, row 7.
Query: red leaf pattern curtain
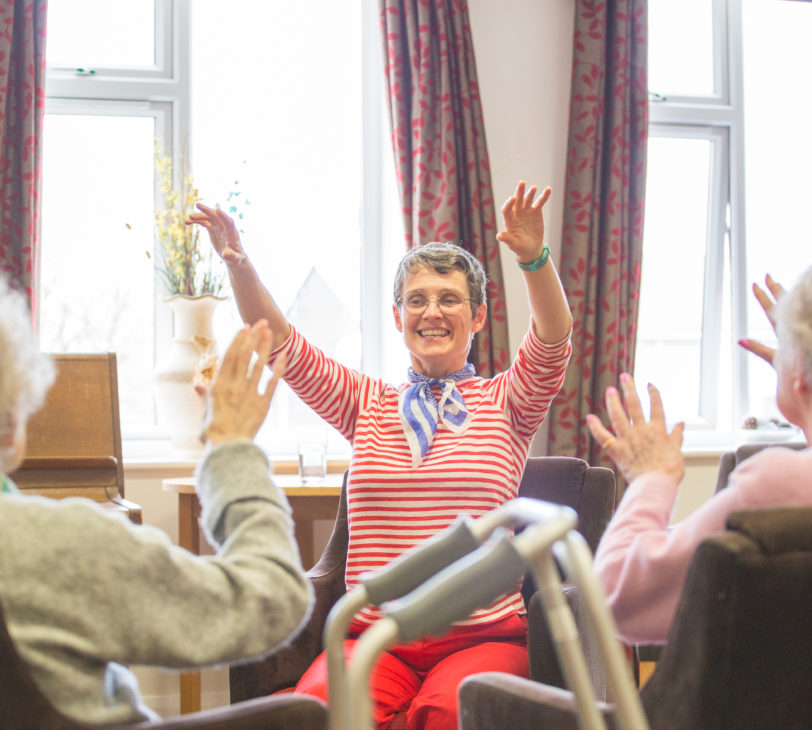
column 603, row 211
column 22, row 106
column 441, row 157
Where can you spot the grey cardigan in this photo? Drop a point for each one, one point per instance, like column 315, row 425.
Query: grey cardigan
column 86, row 592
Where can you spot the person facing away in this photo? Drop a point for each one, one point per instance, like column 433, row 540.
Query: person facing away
column 443, row 443
column 641, row 562
column 85, row 592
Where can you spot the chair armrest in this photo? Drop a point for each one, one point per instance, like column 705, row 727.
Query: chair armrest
column 284, row 667
column 493, row 699
column 131, row 509
column 285, row 712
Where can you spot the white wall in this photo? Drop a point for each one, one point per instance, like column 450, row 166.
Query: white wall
column 524, row 53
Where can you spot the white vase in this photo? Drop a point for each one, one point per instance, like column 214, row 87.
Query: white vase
column 180, row 408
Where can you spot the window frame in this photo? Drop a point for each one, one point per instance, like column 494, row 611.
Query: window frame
column 720, row 119
column 163, row 91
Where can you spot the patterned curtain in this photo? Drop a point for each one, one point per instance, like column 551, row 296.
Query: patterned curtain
column 22, row 106
column 438, row 136
column 603, row 212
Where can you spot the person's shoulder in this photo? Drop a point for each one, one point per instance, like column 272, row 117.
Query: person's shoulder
column 64, row 521
column 776, row 457
column 775, row 474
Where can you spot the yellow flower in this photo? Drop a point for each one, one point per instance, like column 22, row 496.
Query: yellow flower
column 185, row 266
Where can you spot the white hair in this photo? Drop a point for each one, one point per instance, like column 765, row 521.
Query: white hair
column 25, row 372
column 793, row 324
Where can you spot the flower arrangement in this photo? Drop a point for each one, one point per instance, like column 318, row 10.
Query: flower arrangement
column 185, row 267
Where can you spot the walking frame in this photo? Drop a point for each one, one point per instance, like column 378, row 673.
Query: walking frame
column 467, row 566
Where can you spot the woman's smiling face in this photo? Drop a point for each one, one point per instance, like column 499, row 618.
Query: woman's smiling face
column 438, row 343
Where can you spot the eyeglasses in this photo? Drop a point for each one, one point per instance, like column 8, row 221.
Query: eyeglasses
column 448, row 303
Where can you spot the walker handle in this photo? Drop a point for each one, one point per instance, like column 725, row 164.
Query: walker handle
column 452, row 594
column 412, row 568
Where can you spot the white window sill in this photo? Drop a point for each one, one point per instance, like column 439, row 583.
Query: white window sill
column 715, row 443
column 148, row 454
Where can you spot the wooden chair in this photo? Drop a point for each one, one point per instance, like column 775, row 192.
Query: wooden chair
column 74, row 440
column 563, row 480
column 738, row 653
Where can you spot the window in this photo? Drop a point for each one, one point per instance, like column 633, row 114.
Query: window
column 279, row 102
column 726, row 185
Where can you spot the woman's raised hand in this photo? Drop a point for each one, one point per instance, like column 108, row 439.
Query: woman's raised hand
column 223, row 233
column 524, row 222
column 767, row 302
column 638, row 446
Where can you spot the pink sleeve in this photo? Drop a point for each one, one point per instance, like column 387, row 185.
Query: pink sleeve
column 641, row 562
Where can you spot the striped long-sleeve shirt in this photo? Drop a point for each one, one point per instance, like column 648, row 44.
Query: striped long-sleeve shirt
column 392, row 506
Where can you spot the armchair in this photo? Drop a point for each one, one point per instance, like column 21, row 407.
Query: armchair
column 731, row 459
column 590, row 491
column 738, row 653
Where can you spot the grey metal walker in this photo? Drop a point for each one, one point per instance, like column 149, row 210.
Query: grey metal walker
column 467, row 566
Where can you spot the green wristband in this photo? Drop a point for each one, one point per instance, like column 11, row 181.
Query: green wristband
column 538, row 263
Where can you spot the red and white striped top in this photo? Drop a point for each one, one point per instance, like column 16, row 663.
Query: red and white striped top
column 392, row 506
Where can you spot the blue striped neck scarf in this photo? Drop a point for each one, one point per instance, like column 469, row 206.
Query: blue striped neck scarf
column 420, row 412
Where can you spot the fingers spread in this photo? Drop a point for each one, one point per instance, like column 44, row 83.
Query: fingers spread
column 617, row 415
column 519, row 194
column 764, row 300
column 631, row 399
column 657, row 413
column 676, row 434
column 763, row 351
column 543, row 198
column 599, row 432
column 775, row 288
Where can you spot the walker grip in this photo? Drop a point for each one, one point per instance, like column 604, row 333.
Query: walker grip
column 409, row 570
column 452, row 594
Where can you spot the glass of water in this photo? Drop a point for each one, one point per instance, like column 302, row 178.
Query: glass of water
column 312, row 462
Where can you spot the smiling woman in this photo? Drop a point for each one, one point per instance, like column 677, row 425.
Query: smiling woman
column 444, row 442
column 432, row 285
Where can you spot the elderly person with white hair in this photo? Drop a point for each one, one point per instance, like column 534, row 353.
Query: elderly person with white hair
column 641, row 561
column 73, row 619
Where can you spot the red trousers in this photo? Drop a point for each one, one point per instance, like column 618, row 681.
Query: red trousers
column 421, row 677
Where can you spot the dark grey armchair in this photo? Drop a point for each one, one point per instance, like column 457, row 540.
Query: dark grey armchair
column 590, row 491
column 738, row 654
column 730, row 460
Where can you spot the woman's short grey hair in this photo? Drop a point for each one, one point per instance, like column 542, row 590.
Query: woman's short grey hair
column 25, row 372
column 443, row 257
column 793, row 324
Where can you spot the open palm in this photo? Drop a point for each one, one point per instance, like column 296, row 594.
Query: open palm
column 524, row 222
